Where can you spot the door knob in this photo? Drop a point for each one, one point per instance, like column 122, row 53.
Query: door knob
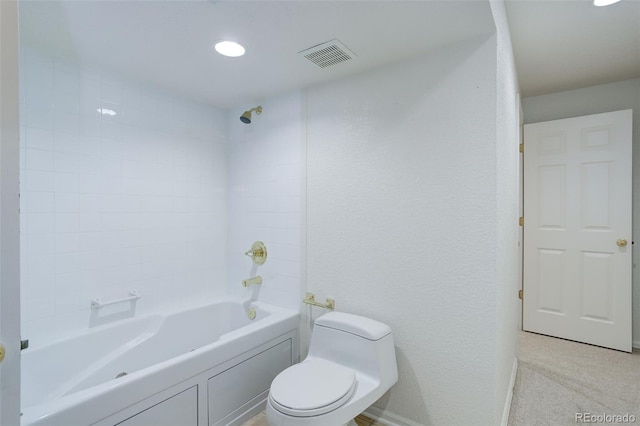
column 621, row 242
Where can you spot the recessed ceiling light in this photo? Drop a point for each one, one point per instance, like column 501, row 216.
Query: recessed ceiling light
column 229, row 48
column 604, row 2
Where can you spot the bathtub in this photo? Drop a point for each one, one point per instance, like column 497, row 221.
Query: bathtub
column 210, row 365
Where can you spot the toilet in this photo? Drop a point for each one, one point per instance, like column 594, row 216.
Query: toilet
column 351, row 363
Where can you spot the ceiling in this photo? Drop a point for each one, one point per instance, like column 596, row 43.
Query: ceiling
column 169, row 43
column 558, row 45
column 563, row 45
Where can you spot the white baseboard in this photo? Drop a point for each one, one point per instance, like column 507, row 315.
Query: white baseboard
column 507, row 402
column 636, row 344
column 388, row 418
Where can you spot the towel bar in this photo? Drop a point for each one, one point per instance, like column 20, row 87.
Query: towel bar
column 97, row 303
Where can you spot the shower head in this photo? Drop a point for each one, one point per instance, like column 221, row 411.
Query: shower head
column 246, row 116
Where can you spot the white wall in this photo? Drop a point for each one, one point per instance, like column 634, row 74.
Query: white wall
column 593, row 100
column 264, row 199
column 402, row 221
column 135, row 201
column 9, row 216
column 507, row 229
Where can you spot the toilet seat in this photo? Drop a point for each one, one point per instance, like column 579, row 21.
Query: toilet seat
column 311, row 388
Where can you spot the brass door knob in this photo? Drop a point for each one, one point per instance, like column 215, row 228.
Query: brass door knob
column 621, row 242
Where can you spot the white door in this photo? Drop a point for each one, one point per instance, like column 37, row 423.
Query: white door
column 9, row 217
column 577, row 229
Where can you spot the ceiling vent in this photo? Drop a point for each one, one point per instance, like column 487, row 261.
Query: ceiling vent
column 328, row 54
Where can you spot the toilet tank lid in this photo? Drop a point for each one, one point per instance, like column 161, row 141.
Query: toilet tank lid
column 354, row 324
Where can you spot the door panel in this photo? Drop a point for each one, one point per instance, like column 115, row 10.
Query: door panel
column 577, row 205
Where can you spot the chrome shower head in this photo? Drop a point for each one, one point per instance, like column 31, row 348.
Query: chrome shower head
column 246, row 116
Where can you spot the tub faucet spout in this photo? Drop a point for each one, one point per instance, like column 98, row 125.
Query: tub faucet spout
column 250, row 281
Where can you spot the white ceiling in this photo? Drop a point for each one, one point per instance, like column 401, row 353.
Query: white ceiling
column 558, row 45
column 563, row 45
column 169, row 43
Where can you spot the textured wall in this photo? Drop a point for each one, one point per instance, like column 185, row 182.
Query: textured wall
column 401, row 217
column 112, row 203
column 264, row 187
column 594, row 100
column 507, row 190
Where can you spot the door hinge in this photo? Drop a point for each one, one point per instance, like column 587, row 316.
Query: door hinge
column 521, row 221
column 521, row 147
column 520, row 294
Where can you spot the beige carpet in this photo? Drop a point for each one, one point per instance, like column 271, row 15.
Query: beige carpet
column 558, row 378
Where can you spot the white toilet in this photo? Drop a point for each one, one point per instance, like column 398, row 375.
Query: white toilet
column 351, row 363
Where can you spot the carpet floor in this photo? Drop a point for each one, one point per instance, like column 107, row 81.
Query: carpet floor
column 558, row 380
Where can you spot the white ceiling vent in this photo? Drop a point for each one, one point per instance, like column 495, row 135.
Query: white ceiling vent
column 328, row 54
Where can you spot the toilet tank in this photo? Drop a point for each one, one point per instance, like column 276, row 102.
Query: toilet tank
column 357, row 342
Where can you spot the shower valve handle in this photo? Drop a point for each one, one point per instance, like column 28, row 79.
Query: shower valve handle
column 258, row 253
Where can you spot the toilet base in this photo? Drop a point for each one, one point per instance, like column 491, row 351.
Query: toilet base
column 351, row 423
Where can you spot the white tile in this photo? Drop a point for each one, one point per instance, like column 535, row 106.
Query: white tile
column 112, row 221
column 90, row 184
column 66, row 91
column 89, row 241
column 66, row 142
column 67, row 321
column 66, row 182
column 67, row 202
column 112, row 91
column 90, row 163
column 66, row 302
column 38, row 244
column 39, row 87
column 38, row 138
column 40, row 223
column 38, row 116
column 39, row 308
column 38, row 202
column 90, row 128
column 66, row 262
column 111, row 240
column 68, row 281
column 37, row 284
column 92, row 260
column 67, row 162
column 66, row 122
column 41, row 330
column 37, row 159
column 89, row 222
column 37, row 180
column 67, row 222
column 89, row 203
column 67, row 242
column 111, row 130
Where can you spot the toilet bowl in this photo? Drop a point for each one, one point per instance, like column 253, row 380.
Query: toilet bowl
column 351, row 363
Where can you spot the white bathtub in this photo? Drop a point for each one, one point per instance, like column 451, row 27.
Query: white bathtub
column 204, row 366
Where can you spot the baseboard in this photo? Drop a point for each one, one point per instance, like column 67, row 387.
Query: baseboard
column 387, row 418
column 636, row 344
column 507, row 402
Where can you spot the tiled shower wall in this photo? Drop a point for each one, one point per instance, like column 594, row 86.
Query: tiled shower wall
column 266, row 173
column 122, row 188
